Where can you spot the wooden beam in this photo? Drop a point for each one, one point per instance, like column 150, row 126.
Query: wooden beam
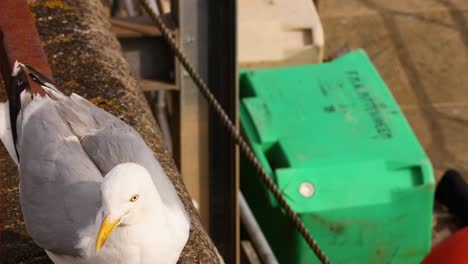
column 127, row 29
column 153, row 85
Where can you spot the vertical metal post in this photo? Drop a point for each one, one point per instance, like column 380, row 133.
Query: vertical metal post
column 191, row 147
column 175, row 10
column 222, row 69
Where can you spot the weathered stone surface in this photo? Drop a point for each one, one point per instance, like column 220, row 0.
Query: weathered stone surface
column 86, row 59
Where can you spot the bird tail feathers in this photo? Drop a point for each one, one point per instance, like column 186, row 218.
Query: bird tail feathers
column 6, row 135
column 25, row 84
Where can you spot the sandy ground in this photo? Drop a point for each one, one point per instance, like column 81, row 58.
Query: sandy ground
column 420, row 48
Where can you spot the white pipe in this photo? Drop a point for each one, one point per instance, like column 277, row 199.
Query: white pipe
column 130, row 8
column 258, row 239
column 161, row 116
column 154, row 6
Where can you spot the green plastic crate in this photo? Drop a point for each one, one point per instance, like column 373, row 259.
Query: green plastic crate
column 338, row 146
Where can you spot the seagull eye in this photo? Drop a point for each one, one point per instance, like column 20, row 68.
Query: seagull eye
column 134, row 198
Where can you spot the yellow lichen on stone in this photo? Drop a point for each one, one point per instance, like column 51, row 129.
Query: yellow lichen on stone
column 102, row 103
column 72, row 84
column 51, row 4
column 60, row 39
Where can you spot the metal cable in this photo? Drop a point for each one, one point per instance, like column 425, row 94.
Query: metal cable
column 244, row 147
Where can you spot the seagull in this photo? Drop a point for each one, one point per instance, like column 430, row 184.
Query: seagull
column 91, row 190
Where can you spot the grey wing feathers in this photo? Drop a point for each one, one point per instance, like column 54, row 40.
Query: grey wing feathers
column 59, row 185
column 110, row 141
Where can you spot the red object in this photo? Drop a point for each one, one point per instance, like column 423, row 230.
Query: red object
column 454, row 250
column 19, row 40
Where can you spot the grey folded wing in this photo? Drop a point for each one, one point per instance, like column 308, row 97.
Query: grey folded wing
column 66, row 148
column 59, row 184
column 110, row 141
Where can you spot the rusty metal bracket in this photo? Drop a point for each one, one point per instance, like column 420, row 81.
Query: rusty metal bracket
column 19, row 41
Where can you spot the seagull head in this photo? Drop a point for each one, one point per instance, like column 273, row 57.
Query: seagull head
column 127, row 192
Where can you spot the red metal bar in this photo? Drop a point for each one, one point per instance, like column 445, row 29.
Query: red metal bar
column 19, row 41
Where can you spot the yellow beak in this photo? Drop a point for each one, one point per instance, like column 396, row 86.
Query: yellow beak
column 107, row 227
